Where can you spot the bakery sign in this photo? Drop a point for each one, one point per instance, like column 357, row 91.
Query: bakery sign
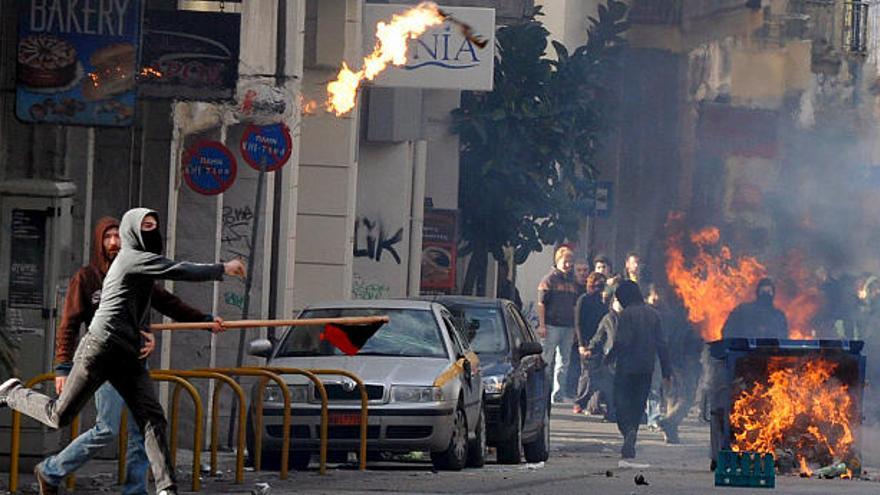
column 76, row 61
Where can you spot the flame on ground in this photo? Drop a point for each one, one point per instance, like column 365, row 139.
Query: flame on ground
column 800, row 407
column 391, row 47
column 805, row 468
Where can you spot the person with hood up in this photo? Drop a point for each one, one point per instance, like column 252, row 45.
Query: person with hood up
column 110, row 350
column 80, row 304
column 638, row 339
column 757, row 319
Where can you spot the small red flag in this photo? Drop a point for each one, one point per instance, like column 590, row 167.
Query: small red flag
column 349, row 338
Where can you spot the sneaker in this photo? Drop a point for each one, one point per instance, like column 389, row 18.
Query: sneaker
column 577, row 409
column 45, row 487
column 167, row 492
column 6, row 387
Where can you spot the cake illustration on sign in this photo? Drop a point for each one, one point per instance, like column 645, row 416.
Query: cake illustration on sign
column 46, row 61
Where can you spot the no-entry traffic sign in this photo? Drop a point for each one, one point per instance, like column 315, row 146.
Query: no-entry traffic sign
column 266, row 147
column 209, row 167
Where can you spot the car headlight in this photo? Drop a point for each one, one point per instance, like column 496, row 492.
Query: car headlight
column 298, row 393
column 493, row 384
column 416, row 394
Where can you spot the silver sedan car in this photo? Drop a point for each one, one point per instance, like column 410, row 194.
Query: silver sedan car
column 423, row 382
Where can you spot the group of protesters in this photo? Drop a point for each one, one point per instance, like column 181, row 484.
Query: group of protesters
column 608, row 331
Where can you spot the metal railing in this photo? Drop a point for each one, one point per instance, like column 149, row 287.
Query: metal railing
column 239, row 464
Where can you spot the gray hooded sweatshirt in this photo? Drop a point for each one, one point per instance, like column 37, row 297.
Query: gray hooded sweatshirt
column 125, row 296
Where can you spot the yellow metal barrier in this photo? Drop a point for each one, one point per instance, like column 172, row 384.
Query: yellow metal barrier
column 197, row 434
column 239, row 465
column 364, row 405
column 325, row 405
column 258, row 416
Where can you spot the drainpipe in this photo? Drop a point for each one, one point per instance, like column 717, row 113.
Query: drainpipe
column 417, row 217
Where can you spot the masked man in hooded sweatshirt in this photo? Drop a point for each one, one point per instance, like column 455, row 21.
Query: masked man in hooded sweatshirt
column 80, row 304
column 638, row 340
column 111, row 349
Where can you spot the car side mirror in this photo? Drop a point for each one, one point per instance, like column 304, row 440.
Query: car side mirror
column 260, row 348
column 530, row 349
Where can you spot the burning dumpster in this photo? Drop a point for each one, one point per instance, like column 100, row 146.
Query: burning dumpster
column 800, row 400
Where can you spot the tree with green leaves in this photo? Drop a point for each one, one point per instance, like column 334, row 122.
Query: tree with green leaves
column 528, row 147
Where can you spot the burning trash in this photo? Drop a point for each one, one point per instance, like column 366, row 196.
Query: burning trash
column 800, row 403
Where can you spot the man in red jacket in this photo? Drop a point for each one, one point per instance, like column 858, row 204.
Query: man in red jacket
column 81, row 301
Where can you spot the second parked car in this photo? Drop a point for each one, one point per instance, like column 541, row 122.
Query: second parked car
column 514, row 378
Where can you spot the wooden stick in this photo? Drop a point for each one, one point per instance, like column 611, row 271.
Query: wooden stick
column 204, row 325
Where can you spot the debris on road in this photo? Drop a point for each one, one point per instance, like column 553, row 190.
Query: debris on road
column 640, row 480
column 261, row 489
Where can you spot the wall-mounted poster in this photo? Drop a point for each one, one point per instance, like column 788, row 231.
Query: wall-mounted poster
column 439, row 253
column 76, row 62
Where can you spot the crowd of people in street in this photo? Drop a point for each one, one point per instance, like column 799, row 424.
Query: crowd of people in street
column 609, row 331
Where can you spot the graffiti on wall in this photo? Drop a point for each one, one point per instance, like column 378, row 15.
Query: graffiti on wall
column 371, row 239
column 364, row 289
column 235, row 241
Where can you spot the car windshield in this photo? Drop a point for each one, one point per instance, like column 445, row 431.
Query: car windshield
column 483, row 326
column 410, row 333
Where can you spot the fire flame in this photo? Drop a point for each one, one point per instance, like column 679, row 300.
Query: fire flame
column 802, row 407
column 712, row 282
column 391, row 47
column 805, row 468
column 710, row 285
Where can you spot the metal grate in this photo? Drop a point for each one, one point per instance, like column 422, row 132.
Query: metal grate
column 336, row 391
column 405, row 432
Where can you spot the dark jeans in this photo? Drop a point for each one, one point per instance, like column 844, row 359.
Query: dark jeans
column 596, row 383
column 630, row 398
column 94, row 363
column 575, row 371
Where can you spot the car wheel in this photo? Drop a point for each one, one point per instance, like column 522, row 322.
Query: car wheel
column 538, row 451
column 510, row 449
column 455, row 455
column 477, row 448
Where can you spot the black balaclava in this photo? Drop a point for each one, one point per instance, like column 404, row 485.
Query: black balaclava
column 153, row 240
column 763, row 298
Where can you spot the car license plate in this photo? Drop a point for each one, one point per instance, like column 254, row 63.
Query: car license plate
column 344, row 419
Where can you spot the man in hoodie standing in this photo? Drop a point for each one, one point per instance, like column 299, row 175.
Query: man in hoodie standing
column 80, row 304
column 638, row 339
column 111, row 349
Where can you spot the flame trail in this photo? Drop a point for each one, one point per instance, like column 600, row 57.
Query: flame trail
column 391, row 47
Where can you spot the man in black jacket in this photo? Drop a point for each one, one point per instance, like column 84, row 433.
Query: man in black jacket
column 638, row 340
column 589, row 311
column 111, row 348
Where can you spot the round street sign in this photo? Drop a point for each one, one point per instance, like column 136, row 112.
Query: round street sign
column 266, row 147
column 209, row 167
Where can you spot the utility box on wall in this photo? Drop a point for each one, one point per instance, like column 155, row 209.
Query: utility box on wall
column 35, row 239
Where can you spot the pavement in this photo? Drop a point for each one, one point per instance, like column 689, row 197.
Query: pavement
column 584, row 458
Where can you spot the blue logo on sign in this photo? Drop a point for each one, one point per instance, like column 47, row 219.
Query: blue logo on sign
column 448, row 50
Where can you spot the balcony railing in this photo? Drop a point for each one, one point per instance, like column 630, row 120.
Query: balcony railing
column 673, row 12
column 855, row 26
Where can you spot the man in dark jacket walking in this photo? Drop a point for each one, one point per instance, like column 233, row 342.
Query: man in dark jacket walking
column 80, row 304
column 639, row 338
column 110, row 350
column 589, row 312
